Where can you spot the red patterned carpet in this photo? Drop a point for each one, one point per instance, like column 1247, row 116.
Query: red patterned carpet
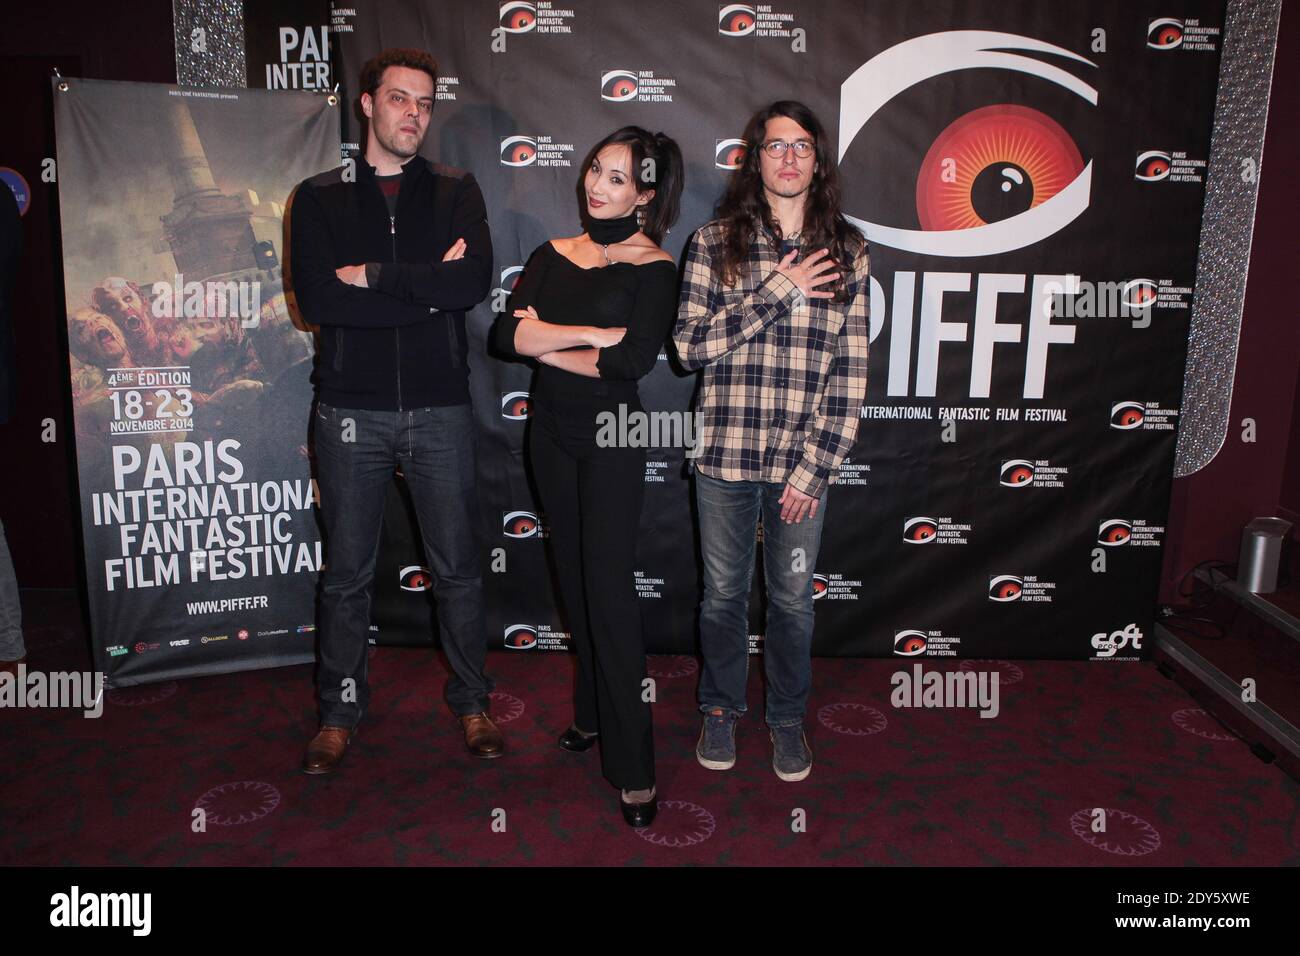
column 888, row 786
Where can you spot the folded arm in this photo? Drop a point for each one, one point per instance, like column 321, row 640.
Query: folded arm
column 450, row 285
column 647, row 327
column 322, row 296
column 521, row 333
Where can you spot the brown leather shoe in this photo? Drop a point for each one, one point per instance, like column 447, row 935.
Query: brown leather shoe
column 11, row 667
column 326, row 750
column 482, row 736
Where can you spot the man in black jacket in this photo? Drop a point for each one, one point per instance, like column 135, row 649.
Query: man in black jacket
column 386, row 257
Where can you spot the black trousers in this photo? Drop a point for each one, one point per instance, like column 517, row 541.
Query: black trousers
column 592, row 497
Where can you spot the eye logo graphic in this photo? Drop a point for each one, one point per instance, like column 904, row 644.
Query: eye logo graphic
column 819, row 585
column 518, row 150
column 618, row 85
column 736, row 20
column 909, row 643
column 518, row 17
column 1139, row 293
column 1152, row 166
column 1016, row 473
column 1164, row 34
column 729, row 153
column 520, row 524
column 415, row 578
column 919, row 530
column 1019, row 176
column 1114, row 532
column 520, row 637
column 510, row 277
column 515, row 406
column 1126, row 415
column 1005, row 587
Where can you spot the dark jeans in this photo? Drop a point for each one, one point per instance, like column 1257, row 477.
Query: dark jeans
column 592, row 499
column 729, row 512
column 435, row 449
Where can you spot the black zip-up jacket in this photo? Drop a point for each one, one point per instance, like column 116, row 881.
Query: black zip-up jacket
column 402, row 343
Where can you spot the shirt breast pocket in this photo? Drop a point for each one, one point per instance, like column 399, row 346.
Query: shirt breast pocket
column 816, row 326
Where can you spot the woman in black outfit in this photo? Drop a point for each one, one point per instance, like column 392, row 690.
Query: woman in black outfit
column 594, row 310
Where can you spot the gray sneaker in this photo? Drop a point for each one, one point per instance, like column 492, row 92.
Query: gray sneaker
column 791, row 756
column 716, row 749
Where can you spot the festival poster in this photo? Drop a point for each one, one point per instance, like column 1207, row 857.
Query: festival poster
column 190, row 371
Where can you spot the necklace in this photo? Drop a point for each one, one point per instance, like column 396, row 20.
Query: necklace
column 609, row 232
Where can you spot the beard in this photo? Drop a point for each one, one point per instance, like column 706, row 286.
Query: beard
column 789, row 190
column 399, row 143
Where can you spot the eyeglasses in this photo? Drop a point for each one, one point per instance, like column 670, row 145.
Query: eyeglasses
column 776, row 148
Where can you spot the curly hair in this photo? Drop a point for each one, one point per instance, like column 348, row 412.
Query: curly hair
column 372, row 73
column 744, row 205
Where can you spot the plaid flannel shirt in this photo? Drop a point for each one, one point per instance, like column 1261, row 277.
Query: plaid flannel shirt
column 784, row 376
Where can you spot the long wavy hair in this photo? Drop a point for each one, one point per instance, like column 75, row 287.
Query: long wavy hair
column 663, row 173
column 744, row 205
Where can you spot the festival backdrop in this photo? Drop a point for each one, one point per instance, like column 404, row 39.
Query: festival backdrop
column 1008, row 491
column 190, row 378
column 1010, row 484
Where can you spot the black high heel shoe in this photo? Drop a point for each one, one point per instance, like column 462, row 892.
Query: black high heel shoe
column 577, row 743
column 639, row 815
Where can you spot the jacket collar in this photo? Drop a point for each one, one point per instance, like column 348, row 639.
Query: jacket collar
column 413, row 168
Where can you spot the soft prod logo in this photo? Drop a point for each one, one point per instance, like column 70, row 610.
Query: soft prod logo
column 1109, row 645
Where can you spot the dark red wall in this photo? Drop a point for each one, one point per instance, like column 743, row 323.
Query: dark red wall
column 1244, row 481
column 37, row 478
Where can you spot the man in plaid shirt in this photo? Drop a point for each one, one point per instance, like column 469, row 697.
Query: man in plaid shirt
column 774, row 309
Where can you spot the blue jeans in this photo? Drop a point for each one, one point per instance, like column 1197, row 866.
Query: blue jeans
column 728, row 514
column 357, row 451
